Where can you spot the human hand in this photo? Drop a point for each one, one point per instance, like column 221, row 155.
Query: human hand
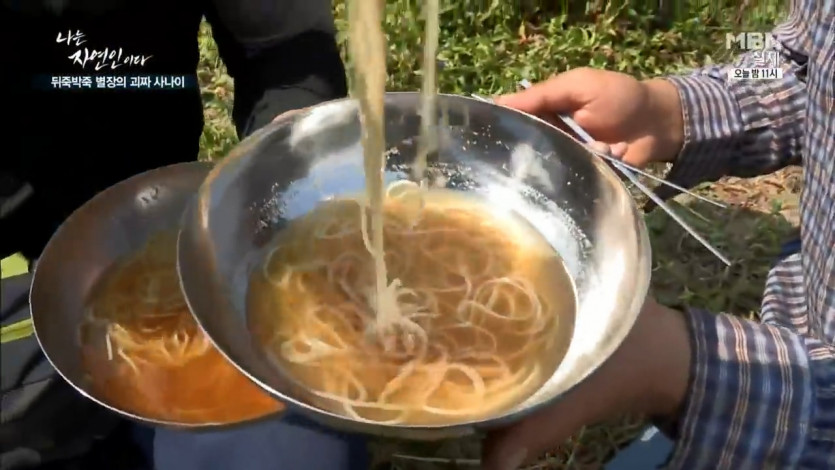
column 645, row 118
column 647, row 375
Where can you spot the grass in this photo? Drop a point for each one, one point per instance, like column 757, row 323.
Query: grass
column 487, row 46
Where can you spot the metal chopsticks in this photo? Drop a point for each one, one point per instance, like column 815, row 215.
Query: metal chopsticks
column 629, row 172
column 572, row 124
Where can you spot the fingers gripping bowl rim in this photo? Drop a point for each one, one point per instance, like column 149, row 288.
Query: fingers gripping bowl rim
column 572, row 199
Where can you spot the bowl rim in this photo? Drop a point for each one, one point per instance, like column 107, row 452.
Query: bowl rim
column 512, row 415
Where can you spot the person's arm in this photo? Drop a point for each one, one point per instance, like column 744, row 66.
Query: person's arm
column 760, row 397
column 281, row 53
column 745, row 127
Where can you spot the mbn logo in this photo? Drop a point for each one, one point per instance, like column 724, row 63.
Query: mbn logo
column 749, row 41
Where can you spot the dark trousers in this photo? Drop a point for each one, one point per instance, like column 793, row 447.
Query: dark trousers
column 291, row 443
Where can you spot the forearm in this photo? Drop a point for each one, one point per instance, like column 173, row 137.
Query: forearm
column 759, row 397
column 742, row 127
column 737, row 127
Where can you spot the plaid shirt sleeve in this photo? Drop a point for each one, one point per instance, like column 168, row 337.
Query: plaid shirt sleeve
column 761, row 397
column 744, row 127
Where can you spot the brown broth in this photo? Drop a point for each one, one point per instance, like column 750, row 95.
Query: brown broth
column 456, row 241
column 139, row 298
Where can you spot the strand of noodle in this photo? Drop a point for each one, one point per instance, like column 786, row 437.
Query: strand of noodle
column 323, row 233
column 409, row 187
column 479, row 390
column 472, row 307
column 412, row 193
column 440, row 260
column 333, row 265
column 521, row 380
column 535, row 324
column 523, row 287
column 398, row 382
column 436, row 372
column 352, row 379
column 434, row 382
column 493, row 341
column 515, row 381
column 501, row 365
column 370, row 76
column 530, row 292
column 362, row 404
column 109, row 345
column 366, row 240
column 306, row 267
column 331, row 332
column 342, row 282
column 318, row 350
column 413, row 330
column 464, row 268
column 413, row 232
column 156, row 348
column 128, row 361
column 428, row 142
column 336, row 314
column 524, row 350
column 520, row 284
column 394, row 385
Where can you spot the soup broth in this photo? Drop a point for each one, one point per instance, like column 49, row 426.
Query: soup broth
column 145, row 354
column 487, row 309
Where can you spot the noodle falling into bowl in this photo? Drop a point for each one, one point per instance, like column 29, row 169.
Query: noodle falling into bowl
column 408, row 305
column 145, row 353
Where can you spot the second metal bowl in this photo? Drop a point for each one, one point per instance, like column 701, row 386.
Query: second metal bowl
column 115, row 223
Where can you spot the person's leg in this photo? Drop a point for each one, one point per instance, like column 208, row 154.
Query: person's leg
column 46, row 422
column 280, row 444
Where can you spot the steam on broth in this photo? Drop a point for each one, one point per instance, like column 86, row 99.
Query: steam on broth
column 410, row 305
column 144, row 352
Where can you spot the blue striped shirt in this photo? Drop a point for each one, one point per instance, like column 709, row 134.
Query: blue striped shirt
column 763, row 394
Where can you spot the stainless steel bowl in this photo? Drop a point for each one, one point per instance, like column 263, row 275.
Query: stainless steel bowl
column 115, row 223
column 509, row 158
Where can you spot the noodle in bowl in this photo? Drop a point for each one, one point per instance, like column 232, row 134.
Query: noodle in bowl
column 550, row 262
column 487, row 310
column 111, row 318
column 143, row 351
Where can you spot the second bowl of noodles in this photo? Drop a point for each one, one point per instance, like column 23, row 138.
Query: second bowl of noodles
column 110, row 315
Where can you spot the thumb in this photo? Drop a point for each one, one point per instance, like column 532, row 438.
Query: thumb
column 521, row 443
column 555, row 95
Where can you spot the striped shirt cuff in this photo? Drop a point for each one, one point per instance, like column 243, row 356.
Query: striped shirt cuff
column 713, row 130
column 737, row 127
column 761, row 397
